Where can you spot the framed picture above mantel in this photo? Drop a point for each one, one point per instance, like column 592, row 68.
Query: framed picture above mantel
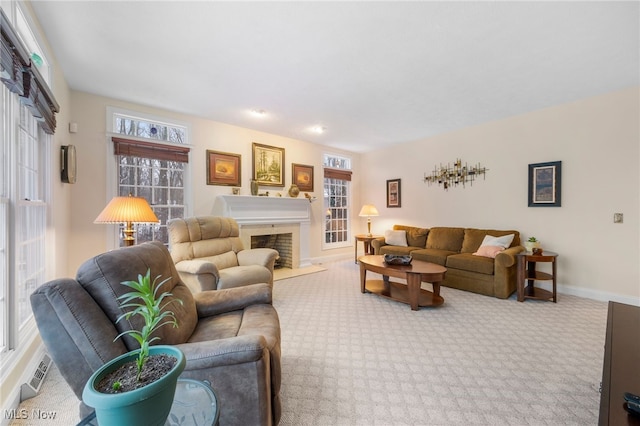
column 268, row 165
column 302, row 176
column 223, row 168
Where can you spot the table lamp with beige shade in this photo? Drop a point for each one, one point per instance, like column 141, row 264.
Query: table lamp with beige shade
column 368, row 210
column 127, row 210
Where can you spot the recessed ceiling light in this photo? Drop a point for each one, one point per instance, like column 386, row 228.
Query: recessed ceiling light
column 318, row 129
column 258, row 112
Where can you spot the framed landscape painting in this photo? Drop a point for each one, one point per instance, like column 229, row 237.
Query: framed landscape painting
column 223, row 168
column 302, row 176
column 544, row 184
column 268, row 162
column 393, row 193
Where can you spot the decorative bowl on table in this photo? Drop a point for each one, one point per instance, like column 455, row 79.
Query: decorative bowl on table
column 395, row 259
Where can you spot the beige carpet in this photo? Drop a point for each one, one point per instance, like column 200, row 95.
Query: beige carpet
column 357, row 359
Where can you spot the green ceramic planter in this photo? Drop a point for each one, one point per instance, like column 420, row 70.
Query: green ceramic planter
column 149, row 405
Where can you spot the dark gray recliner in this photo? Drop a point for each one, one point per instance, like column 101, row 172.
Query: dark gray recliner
column 230, row 337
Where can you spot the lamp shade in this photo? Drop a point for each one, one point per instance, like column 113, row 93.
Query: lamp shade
column 127, row 209
column 368, row 210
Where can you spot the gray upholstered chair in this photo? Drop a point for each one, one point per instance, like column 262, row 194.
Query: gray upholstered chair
column 209, row 254
column 230, row 337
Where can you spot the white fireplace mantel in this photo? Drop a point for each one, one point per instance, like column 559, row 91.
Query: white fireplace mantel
column 258, row 215
column 255, row 210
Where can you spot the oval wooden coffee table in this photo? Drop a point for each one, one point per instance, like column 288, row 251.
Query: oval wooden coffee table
column 414, row 274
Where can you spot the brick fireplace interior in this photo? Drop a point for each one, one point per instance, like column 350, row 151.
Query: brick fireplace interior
column 283, row 243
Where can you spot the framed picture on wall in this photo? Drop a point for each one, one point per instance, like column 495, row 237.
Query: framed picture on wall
column 393, row 193
column 223, row 168
column 302, row 176
column 544, row 184
column 268, row 165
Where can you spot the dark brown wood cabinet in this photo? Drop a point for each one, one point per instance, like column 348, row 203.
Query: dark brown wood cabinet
column 621, row 367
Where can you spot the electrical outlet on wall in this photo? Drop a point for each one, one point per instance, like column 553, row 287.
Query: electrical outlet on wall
column 617, row 218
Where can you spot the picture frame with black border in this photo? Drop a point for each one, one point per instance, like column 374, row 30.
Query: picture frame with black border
column 545, row 184
column 394, row 193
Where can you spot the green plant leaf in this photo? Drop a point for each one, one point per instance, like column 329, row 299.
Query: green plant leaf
column 147, row 303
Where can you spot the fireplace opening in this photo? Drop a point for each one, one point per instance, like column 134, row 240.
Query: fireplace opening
column 282, row 243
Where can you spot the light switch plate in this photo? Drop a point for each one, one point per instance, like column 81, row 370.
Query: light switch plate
column 617, row 218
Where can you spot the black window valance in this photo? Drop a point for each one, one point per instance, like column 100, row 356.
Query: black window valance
column 136, row 148
column 21, row 76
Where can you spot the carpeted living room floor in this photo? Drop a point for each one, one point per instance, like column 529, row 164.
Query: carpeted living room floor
column 357, row 359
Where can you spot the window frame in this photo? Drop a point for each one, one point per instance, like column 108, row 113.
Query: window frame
column 342, row 166
column 17, row 316
column 112, row 183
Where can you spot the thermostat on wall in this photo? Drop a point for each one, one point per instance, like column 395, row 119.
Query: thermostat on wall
column 68, row 163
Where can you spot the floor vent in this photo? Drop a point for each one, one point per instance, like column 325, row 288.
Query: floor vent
column 30, row 389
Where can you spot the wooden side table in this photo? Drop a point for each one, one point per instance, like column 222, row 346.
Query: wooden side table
column 527, row 272
column 368, row 248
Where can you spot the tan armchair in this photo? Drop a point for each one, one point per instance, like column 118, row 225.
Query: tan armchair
column 209, row 254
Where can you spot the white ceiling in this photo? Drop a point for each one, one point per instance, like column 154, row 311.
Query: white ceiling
column 373, row 73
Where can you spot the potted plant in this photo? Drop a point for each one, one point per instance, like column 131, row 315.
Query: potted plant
column 123, row 391
column 532, row 243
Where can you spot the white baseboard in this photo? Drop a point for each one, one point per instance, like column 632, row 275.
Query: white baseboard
column 603, row 296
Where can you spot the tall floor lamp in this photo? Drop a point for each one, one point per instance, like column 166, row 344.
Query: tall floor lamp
column 127, row 210
column 367, row 211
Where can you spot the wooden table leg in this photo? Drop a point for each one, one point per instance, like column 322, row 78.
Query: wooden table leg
column 436, row 289
column 553, row 268
column 368, row 247
column 363, row 277
column 520, row 282
column 355, row 256
column 414, row 282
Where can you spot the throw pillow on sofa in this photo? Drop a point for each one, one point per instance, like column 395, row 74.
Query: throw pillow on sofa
column 489, row 251
column 504, row 241
column 396, row 238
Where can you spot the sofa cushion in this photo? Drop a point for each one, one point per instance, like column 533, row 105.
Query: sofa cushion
column 473, row 238
column 432, row 255
column 445, row 238
column 416, row 237
column 397, row 250
column 471, row 263
column 396, row 238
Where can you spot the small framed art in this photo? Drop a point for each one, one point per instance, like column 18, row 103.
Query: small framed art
column 223, row 168
column 393, row 193
column 544, row 184
column 302, row 176
column 268, row 162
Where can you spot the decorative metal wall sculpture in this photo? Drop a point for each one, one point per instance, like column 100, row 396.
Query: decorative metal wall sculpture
column 455, row 175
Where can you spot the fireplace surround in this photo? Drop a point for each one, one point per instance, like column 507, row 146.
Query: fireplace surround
column 257, row 215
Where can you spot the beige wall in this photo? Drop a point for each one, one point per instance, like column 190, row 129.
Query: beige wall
column 596, row 139
column 89, row 194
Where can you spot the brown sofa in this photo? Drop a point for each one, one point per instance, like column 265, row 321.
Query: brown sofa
column 454, row 248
